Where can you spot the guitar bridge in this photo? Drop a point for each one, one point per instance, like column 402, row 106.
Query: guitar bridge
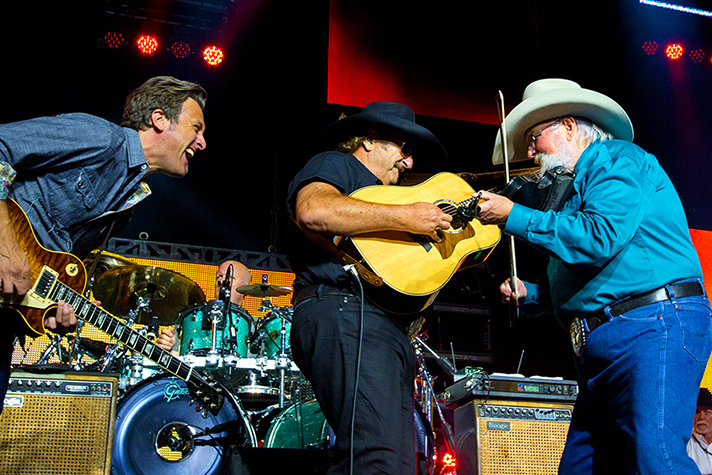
column 44, row 284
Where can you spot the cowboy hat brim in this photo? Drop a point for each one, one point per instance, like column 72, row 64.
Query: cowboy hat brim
column 560, row 102
column 428, row 148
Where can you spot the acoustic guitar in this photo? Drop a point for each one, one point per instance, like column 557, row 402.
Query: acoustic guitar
column 404, row 271
column 62, row 276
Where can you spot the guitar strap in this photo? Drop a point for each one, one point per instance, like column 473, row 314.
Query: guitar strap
column 329, row 246
column 100, row 249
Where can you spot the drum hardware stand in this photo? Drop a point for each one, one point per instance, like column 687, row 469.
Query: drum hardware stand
column 142, row 303
column 282, row 361
column 216, row 314
column 55, row 345
column 448, row 434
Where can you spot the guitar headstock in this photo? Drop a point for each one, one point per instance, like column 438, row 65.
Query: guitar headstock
column 208, row 393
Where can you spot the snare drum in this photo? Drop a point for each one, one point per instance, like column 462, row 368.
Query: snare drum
column 269, row 333
column 157, row 431
column 233, row 336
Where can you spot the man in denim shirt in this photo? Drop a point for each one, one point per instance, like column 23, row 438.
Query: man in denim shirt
column 623, row 278
column 76, row 174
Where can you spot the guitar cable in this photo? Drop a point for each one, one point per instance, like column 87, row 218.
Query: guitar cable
column 352, row 270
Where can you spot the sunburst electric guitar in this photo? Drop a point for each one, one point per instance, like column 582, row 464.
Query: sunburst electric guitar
column 62, row 276
column 404, row 271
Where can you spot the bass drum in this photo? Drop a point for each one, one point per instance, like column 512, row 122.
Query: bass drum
column 299, row 426
column 158, row 432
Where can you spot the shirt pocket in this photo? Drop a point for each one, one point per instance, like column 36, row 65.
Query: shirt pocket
column 84, row 186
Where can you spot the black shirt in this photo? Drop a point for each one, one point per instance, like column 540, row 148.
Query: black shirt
column 311, row 263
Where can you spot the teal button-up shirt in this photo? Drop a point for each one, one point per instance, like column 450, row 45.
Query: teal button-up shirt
column 622, row 232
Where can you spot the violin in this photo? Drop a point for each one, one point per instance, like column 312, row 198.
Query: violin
column 543, row 192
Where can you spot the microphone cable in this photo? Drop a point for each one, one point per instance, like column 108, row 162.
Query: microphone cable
column 351, row 269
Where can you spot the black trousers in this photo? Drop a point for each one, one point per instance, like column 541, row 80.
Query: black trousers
column 325, row 339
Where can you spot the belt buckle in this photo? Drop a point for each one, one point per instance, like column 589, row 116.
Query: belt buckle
column 578, row 335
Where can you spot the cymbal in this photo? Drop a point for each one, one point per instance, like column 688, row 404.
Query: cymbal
column 105, row 261
column 263, row 290
column 169, row 292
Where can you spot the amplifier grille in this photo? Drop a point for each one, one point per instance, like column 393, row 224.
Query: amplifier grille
column 511, row 437
column 45, row 431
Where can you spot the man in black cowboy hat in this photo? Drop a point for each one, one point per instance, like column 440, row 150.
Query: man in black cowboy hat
column 337, row 337
column 623, row 277
column 699, row 445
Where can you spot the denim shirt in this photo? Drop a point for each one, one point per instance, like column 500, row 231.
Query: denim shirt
column 622, row 232
column 76, row 173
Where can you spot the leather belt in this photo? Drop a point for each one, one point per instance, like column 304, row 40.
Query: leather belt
column 319, row 290
column 582, row 326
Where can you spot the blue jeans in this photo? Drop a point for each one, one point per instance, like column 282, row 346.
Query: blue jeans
column 324, row 339
column 639, row 376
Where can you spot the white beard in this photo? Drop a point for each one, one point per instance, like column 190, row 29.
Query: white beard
column 548, row 162
column 562, row 158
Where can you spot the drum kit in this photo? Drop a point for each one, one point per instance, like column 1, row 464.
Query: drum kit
column 158, row 427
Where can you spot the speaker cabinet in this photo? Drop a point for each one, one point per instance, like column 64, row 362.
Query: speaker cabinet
column 57, row 424
column 500, row 437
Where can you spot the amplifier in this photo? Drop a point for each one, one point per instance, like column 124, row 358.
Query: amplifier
column 501, row 437
column 57, row 424
column 482, row 385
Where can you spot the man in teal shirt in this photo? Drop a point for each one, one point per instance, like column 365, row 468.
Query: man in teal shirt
column 623, row 277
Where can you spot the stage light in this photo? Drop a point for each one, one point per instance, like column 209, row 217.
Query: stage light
column 213, row 55
column 674, row 51
column 697, row 55
column 650, row 47
column 147, row 44
column 448, row 463
column 180, row 50
column 679, row 8
column 114, row 39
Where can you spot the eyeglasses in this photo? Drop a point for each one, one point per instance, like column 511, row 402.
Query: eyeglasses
column 531, row 141
column 406, row 149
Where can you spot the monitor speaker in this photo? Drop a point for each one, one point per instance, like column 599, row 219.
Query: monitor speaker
column 501, row 437
column 57, row 424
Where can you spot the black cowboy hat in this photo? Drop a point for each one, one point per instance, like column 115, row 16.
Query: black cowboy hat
column 384, row 116
column 704, row 398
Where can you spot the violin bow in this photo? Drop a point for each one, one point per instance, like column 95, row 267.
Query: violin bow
column 512, row 255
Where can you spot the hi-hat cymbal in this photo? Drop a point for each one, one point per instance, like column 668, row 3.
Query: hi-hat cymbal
column 169, row 292
column 263, row 290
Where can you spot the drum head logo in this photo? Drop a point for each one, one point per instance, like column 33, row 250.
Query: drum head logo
column 173, row 390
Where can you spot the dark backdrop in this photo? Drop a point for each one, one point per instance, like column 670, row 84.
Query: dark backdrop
column 268, row 104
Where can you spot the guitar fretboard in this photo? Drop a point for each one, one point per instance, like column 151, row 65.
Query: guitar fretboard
column 50, row 288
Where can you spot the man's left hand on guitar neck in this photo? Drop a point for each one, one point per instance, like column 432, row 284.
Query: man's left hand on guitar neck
column 63, row 320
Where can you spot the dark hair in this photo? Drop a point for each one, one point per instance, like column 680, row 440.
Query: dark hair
column 161, row 92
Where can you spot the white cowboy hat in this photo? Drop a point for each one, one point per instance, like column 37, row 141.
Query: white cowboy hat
column 547, row 99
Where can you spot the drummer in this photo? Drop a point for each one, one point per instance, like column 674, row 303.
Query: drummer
column 240, row 275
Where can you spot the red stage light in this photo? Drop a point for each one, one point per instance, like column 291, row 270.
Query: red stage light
column 650, row 47
column 697, row 55
column 448, row 464
column 114, row 39
column 213, row 55
column 674, row 51
column 147, row 44
column 180, row 50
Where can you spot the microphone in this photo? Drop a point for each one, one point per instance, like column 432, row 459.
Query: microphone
column 225, row 288
column 256, row 344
